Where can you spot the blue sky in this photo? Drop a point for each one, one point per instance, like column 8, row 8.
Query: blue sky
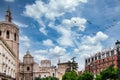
column 62, row 29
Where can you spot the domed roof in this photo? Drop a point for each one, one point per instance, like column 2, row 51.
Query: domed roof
column 8, row 19
column 28, row 54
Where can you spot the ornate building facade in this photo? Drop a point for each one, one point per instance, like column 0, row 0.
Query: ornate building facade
column 9, row 48
column 104, row 59
column 29, row 69
column 62, row 67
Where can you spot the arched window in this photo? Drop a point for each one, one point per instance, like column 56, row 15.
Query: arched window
column 0, row 32
column 15, row 36
column 8, row 34
column 28, row 68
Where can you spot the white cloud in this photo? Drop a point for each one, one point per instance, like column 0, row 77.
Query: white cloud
column 42, row 29
column 48, row 42
column 20, row 24
column 90, row 45
column 66, row 38
column 96, row 39
column 68, row 35
column 54, row 8
column 57, row 51
column 75, row 22
column 38, row 58
column 41, row 51
column 52, row 54
column 9, row 0
column 25, row 41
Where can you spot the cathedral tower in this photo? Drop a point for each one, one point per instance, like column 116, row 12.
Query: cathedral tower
column 9, row 32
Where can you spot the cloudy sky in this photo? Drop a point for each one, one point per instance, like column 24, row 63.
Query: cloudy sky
column 62, row 29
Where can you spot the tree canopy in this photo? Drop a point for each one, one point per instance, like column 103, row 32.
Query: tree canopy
column 47, row 78
column 86, row 76
column 108, row 73
column 72, row 75
column 72, row 65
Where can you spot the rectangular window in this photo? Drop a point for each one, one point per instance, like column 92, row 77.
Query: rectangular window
column 7, row 34
column 0, row 33
column 15, row 36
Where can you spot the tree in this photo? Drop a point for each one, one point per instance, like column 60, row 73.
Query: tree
column 98, row 77
column 72, row 66
column 72, row 75
column 37, row 78
column 86, row 76
column 47, row 78
column 109, row 73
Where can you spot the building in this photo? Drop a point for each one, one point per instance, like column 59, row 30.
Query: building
column 103, row 59
column 46, row 69
column 29, row 69
column 9, row 48
column 62, row 68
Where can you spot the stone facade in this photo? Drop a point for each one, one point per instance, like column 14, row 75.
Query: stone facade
column 29, row 69
column 9, row 48
column 103, row 59
column 62, row 68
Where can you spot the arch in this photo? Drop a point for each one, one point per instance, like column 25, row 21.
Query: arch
column 28, row 68
column 7, row 34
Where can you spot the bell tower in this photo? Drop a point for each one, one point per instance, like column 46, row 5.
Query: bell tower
column 9, row 32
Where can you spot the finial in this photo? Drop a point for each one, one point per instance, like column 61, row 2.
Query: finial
column 59, row 60
column 8, row 15
column 27, row 52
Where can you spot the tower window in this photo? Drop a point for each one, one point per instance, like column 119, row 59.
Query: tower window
column 28, row 68
column 15, row 36
column 0, row 32
column 7, row 34
column 53, row 75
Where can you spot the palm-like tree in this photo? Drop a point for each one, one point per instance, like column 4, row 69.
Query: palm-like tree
column 72, row 66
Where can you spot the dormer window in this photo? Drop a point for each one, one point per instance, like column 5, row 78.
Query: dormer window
column 8, row 34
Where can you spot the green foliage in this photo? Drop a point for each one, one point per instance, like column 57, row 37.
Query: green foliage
column 47, row 78
column 98, row 77
column 108, row 73
column 37, row 78
column 72, row 75
column 86, row 76
column 72, row 66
